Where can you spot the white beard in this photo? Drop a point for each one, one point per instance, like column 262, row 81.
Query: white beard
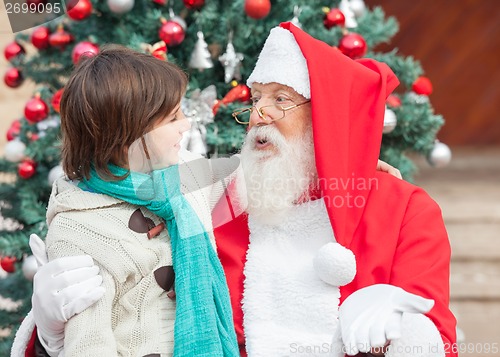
column 276, row 179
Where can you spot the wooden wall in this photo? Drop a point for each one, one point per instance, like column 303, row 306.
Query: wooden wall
column 458, row 44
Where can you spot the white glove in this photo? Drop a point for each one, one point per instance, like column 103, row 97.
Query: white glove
column 61, row 288
column 370, row 317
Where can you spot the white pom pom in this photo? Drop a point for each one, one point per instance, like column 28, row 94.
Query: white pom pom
column 335, row 264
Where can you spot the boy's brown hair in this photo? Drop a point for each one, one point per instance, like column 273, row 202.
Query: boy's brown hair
column 111, row 100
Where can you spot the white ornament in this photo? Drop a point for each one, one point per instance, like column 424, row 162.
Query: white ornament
column 200, row 58
column 199, row 109
column 29, row 268
column 120, row 6
column 197, row 140
column 194, row 140
column 52, row 121
column 390, row 121
column 335, row 264
column 231, row 60
column 54, row 174
column 186, row 136
column 358, row 7
column 350, row 18
column 296, row 13
column 14, row 150
column 440, row 155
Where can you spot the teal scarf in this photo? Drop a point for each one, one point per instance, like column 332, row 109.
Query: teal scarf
column 203, row 316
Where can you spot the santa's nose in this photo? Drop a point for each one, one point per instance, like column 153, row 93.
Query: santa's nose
column 258, row 117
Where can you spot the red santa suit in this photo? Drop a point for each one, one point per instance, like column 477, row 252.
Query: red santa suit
column 394, row 229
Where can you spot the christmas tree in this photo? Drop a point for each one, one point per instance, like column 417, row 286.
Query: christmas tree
column 217, row 43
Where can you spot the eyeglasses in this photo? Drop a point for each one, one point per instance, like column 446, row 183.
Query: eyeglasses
column 268, row 113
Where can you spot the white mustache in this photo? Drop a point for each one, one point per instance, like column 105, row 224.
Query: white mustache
column 268, row 133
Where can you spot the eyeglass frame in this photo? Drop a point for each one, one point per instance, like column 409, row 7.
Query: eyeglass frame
column 261, row 114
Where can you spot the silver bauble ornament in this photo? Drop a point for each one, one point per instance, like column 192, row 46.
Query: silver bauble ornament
column 29, row 267
column 54, row 174
column 14, row 151
column 440, row 155
column 120, row 6
column 390, row 121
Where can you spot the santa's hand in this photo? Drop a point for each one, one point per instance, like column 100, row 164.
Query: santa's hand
column 371, row 317
column 61, row 288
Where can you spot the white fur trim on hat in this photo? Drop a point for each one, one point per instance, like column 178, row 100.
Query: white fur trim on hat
column 281, row 61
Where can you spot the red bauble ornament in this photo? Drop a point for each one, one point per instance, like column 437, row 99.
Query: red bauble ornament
column 194, row 4
column 171, row 33
column 27, row 168
column 13, row 77
column 34, row 137
column 422, row 86
column 56, row 100
column 257, row 9
column 353, row 45
column 334, row 17
column 36, row 110
column 60, row 38
column 40, row 37
column 12, row 50
column 8, row 264
column 79, row 9
column 160, row 2
column 393, row 101
column 14, row 130
column 240, row 92
column 84, row 48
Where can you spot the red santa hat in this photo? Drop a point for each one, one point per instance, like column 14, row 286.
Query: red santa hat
column 347, row 103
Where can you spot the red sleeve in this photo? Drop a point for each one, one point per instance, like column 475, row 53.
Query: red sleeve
column 422, row 262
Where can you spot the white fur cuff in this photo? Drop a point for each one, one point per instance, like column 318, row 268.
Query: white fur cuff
column 23, row 335
column 419, row 338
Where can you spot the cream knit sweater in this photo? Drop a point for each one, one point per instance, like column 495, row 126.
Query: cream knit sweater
column 135, row 317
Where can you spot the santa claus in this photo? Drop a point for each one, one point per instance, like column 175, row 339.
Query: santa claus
column 333, row 257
